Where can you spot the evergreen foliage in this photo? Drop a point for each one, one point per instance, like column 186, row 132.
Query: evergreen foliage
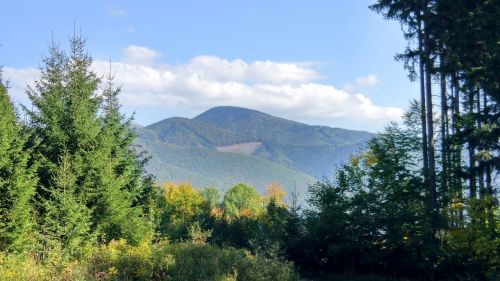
column 93, row 187
column 17, row 180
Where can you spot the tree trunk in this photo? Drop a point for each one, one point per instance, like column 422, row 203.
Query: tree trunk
column 422, row 103
column 471, row 150
column 430, row 122
column 444, row 141
column 457, row 150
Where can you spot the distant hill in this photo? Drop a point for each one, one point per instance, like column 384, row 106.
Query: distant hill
column 227, row 145
column 189, row 132
column 265, row 127
column 315, row 150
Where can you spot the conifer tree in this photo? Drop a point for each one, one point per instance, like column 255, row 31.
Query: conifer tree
column 17, row 180
column 121, row 174
column 66, row 126
column 82, row 137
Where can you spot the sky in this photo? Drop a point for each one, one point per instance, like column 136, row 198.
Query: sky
column 319, row 62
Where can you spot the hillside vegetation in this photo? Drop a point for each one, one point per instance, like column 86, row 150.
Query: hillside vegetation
column 208, row 167
column 208, row 150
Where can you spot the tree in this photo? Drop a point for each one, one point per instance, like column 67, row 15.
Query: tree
column 271, row 237
column 123, row 198
column 417, row 18
column 181, row 205
column 65, row 128
column 242, row 200
column 17, row 181
column 80, row 134
column 373, row 217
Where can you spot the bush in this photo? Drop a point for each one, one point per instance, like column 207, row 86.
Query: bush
column 119, row 260
column 185, row 261
column 16, row 268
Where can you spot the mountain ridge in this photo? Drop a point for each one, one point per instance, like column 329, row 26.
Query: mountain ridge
column 225, row 145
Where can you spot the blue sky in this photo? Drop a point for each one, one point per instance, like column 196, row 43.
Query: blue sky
column 319, row 62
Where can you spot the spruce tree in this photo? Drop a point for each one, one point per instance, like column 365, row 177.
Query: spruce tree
column 90, row 166
column 17, row 180
column 66, row 126
column 121, row 174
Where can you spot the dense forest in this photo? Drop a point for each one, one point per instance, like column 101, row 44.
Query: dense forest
column 420, row 202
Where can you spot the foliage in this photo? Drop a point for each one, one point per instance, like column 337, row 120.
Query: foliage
column 180, row 205
column 17, row 180
column 92, row 185
column 373, row 219
column 242, row 200
column 161, row 261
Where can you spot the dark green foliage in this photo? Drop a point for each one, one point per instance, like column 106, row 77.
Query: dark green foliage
column 66, row 219
column 92, row 179
column 272, row 235
column 65, row 128
column 457, row 46
column 373, row 219
column 17, row 181
column 126, row 196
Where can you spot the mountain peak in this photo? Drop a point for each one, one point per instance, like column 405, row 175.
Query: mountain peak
column 232, row 112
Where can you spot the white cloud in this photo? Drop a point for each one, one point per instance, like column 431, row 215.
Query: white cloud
column 19, row 79
column 223, row 70
column 291, row 90
column 362, row 82
column 288, row 89
column 140, row 55
column 368, row 81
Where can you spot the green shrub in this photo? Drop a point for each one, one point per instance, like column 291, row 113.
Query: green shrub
column 160, row 261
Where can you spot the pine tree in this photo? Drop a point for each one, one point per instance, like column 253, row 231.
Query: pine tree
column 65, row 125
column 17, row 181
column 121, row 174
column 82, row 137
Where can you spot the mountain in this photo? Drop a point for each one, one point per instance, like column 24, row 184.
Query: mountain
column 191, row 132
column 265, row 127
column 315, row 150
column 226, row 145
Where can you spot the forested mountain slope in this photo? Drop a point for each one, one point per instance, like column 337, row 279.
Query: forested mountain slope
column 226, row 145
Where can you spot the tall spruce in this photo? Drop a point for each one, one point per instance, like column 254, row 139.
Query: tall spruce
column 121, row 214
column 65, row 124
column 17, row 181
column 93, row 176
